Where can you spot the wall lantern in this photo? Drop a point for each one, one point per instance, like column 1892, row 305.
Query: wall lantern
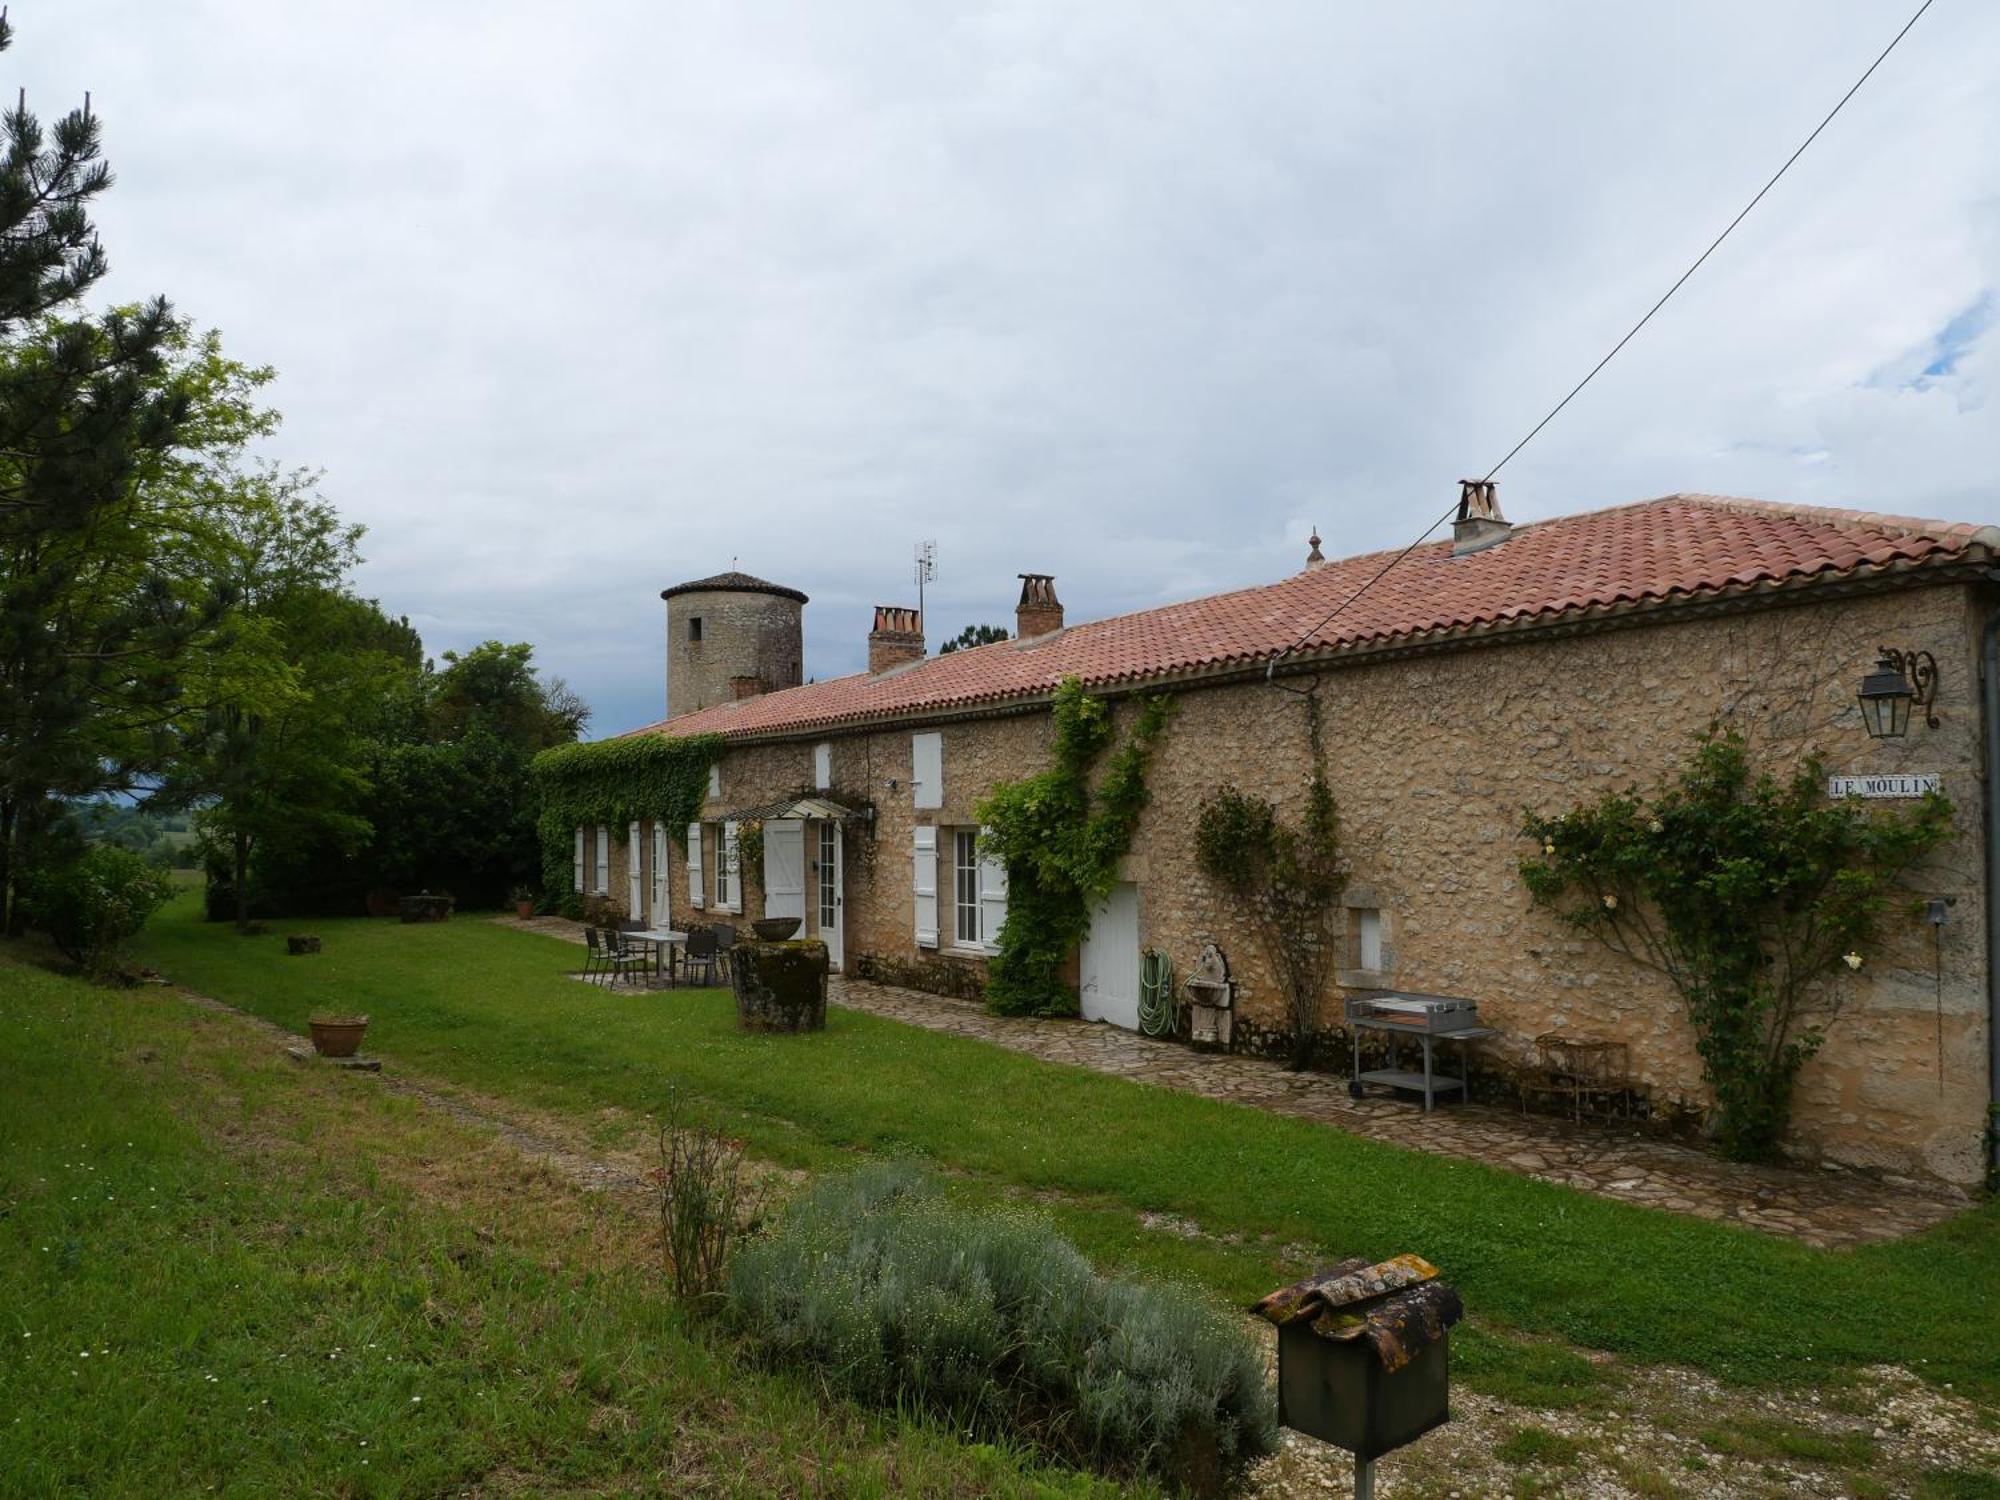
column 1888, row 692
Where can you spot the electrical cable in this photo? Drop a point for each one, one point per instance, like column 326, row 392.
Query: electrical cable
column 1555, row 410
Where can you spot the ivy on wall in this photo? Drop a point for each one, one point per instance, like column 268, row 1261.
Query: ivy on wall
column 1061, row 845
column 1754, row 895
column 614, row 782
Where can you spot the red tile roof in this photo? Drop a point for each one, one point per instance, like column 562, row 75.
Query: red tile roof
column 1681, row 547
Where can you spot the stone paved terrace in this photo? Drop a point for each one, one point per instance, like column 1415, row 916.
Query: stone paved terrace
column 1823, row 1207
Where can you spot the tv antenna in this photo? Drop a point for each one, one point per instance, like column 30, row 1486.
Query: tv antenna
column 926, row 570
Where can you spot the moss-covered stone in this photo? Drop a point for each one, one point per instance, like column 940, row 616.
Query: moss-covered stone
column 780, row 986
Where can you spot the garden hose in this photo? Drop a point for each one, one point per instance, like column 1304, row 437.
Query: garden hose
column 1156, row 993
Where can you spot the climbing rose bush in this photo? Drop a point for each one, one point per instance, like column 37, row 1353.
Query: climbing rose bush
column 1754, row 894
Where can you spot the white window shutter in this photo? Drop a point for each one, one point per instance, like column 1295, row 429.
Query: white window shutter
column 576, row 877
column 732, row 866
column 695, row 896
column 603, row 860
column 927, row 770
column 635, row 874
column 992, row 898
column 924, row 882
column 822, row 766
column 659, row 873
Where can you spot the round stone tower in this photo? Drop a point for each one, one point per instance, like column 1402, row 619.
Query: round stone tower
column 731, row 636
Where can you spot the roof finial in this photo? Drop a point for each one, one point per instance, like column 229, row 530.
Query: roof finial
column 1315, row 558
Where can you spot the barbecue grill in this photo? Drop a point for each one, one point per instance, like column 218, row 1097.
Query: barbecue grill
column 1428, row 1019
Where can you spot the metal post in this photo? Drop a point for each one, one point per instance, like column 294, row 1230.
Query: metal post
column 1364, row 1479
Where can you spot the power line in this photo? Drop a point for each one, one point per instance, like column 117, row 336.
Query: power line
column 1681, row 281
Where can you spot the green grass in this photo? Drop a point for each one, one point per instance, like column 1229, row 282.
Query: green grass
column 488, row 1008
column 1767, row 1439
column 226, row 1272
column 1537, row 1445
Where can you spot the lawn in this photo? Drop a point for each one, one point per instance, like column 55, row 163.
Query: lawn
column 487, row 1008
column 226, row 1272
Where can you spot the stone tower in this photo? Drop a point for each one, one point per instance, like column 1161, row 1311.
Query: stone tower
column 731, row 636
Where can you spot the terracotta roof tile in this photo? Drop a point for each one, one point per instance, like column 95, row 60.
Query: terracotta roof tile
column 1681, row 546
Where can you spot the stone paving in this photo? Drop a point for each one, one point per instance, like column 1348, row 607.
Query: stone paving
column 1826, row 1207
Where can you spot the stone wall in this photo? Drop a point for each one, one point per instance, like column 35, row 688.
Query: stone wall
column 1434, row 760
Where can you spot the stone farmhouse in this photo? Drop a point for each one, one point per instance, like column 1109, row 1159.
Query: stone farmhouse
column 1511, row 668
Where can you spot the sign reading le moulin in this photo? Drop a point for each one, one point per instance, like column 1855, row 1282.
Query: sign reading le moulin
column 1914, row 784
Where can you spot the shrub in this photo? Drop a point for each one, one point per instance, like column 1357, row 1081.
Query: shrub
column 704, row 1201
column 93, row 905
column 1002, row 1327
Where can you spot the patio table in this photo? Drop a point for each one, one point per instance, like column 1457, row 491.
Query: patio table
column 663, row 941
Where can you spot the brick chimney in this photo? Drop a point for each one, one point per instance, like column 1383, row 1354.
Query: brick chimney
column 898, row 637
column 1480, row 524
column 747, row 685
column 1040, row 612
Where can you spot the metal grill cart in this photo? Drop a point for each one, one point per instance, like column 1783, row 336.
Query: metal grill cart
column 1424, row 1019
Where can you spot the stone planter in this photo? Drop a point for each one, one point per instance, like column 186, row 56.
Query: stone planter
column 425, row 908
column 338, row 1036
column 301, row 943
column 780, row 986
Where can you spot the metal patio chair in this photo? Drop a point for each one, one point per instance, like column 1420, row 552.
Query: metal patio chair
column 623, row 956
column 725, row 945
column 702, row 952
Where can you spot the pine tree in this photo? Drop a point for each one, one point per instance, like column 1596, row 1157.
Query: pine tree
column 89, row 623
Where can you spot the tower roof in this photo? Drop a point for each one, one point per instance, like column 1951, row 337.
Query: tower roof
column 733, row 583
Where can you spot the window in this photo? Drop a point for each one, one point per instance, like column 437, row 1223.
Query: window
column 965, row 888
column 694, row 627
column 576, row 874
column 603, row 885
column 659, row 874
column 822, row 766
column 829, row 872
column 728, row 877
column 1365, row 931
column 715, row 781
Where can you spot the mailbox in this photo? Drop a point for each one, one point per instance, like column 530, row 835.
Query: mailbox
column 1364, row 1356
column 1341, row 1393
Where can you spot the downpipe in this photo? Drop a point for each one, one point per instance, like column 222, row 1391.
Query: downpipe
column 1989, row 704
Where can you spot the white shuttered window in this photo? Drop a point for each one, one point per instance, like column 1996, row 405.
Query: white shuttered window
column 576, row 875
column 927, row 770
column 822, row 766
column 695, row 896
column 924, row 874
column 603, row 886
column 992, row 899
column 659, row 874
column 635, row 875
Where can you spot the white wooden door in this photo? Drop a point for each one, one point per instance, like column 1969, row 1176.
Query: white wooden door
column 832, row 884
column 1110, row 960
column 785, row 868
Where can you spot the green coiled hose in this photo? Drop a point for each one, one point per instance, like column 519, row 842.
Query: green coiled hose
column 1156, row 993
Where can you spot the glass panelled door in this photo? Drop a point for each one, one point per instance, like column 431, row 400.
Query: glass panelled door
column 831, row 896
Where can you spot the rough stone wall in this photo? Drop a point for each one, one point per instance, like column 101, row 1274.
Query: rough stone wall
column 1433, row 760
column 743, row 635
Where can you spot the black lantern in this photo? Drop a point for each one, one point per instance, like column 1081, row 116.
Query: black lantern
column 1885, row 697
column 1887, row 694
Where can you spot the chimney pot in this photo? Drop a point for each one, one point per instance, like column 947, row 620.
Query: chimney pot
column 898, row 637
column 1040, row 612
column 1480, row 524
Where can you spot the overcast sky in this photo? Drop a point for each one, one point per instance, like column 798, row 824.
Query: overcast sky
column 574, row 301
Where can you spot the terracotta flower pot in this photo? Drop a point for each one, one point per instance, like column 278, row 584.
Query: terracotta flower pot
column 338, row 1036
column 524, row 909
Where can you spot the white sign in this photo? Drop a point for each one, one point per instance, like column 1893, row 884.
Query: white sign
column 1911, row 785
